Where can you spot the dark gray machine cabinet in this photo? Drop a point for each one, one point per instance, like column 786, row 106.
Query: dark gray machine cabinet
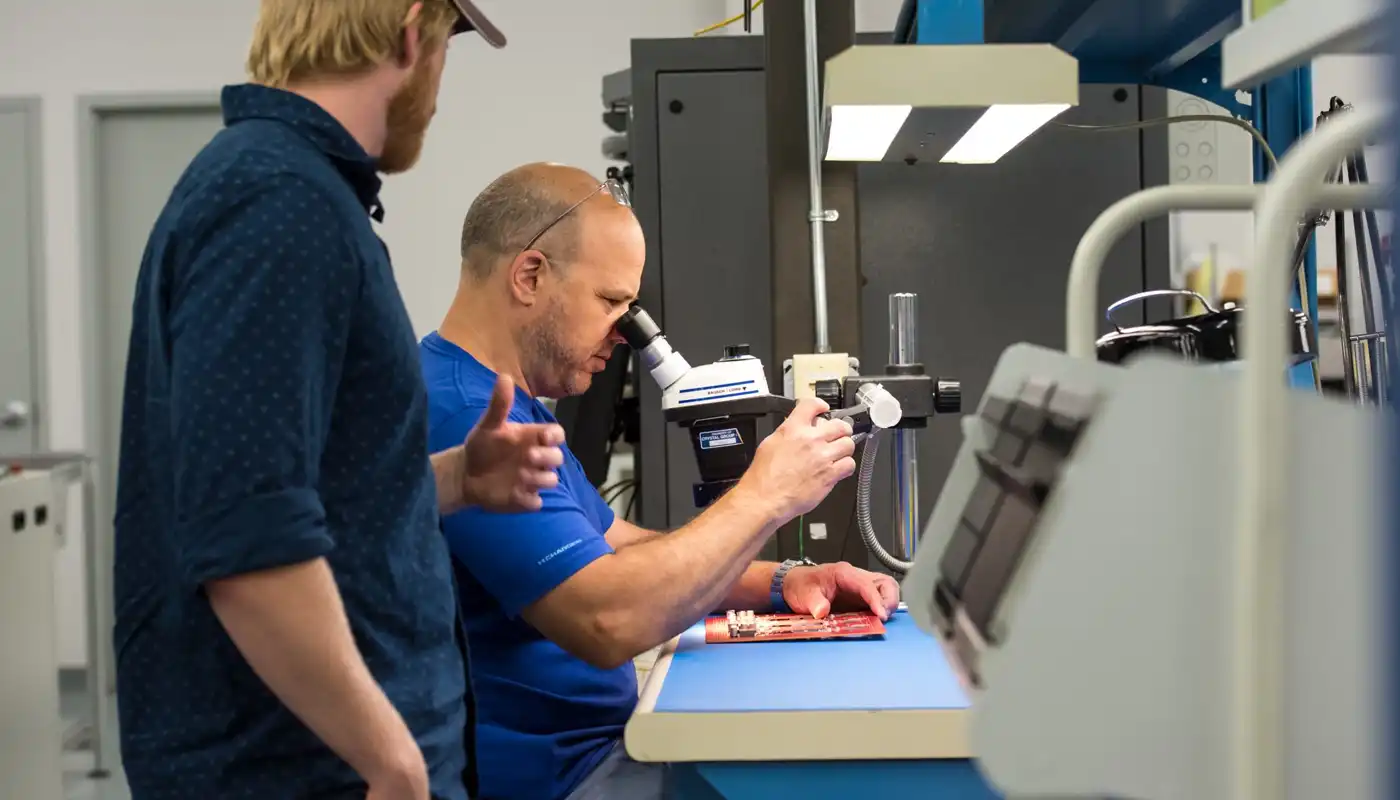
column 987, row 248
column 714, row 235
column 697, row 147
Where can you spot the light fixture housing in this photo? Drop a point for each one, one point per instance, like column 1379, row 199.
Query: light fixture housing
column 965, row 104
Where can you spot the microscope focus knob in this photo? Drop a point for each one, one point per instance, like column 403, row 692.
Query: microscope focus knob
column 947, row 396
column 735, row 351
column 829, row 391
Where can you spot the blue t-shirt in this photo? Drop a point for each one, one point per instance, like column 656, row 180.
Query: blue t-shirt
column 274, row 412
column 544, row 718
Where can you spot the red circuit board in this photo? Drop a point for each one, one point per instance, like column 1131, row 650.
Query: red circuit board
column 747, row 626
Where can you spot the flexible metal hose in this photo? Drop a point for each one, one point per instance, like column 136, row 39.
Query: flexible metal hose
column 867, row 529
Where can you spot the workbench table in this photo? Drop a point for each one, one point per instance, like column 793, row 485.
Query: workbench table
column 807, row 719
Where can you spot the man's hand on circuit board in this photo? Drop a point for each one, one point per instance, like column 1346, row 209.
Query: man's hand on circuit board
column 817, row 590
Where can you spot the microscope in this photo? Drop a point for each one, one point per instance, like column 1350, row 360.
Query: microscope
column 719, row 404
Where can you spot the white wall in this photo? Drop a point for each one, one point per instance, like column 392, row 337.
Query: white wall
column 872, row 16
column 536, row 100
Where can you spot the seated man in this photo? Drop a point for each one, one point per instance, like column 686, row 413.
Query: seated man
column 557, row 602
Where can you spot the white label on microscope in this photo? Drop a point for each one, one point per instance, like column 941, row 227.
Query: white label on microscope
column 727, row 437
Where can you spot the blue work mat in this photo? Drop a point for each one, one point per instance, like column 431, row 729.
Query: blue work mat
column 904, row 670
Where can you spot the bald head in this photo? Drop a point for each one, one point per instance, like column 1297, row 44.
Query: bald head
column 519, row 205
column 550, row 261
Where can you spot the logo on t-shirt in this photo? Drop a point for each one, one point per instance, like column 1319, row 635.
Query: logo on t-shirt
column 559, row 551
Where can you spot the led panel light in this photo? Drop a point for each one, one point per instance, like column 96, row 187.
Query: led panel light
column 914, row 103
column 1001, row 128
column 863, row 133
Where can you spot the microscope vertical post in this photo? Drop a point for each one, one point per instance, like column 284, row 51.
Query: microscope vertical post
column 904, row 335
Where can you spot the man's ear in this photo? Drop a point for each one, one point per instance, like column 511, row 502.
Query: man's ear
column 525, row 274
column 411, row 49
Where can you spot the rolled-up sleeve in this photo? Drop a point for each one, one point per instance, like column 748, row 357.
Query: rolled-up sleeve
column 260, row 312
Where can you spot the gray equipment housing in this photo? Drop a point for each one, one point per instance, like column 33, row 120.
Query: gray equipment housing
column 987, row 248
column 1109, row 673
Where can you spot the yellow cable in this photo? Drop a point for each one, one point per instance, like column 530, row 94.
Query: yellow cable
column 726, row 23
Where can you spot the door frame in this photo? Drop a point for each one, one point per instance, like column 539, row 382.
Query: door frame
column 32, row 109
column 92, row 109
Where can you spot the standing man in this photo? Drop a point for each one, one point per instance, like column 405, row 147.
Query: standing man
column 558, row 602
column 285, row 616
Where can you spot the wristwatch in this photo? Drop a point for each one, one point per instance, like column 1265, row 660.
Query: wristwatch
column 775, row 589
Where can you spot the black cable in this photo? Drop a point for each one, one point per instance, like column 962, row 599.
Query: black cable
column 611, row 492
column 616, row 491
column 631, row 503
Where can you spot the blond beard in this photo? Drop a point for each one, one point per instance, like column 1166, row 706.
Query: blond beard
column 409, row 114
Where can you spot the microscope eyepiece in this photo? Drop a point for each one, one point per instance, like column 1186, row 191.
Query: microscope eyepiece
column 644, row 336
column 637, row 327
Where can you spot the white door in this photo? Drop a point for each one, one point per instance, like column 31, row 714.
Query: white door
column 139, row 152
column 19, row 273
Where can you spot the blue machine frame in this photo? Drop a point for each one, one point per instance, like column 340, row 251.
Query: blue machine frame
column 1172, row 45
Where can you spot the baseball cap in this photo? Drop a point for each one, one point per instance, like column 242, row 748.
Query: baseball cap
column 470, row 18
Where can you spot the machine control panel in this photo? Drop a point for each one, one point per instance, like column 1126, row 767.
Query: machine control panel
column 1035, row 431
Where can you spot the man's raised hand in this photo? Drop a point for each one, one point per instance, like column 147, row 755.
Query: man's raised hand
column 507, row 464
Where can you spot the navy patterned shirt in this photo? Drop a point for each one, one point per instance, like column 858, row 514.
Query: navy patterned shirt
column 275, row 413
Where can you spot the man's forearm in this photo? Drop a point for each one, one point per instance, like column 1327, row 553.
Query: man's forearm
column 751, row 591
column 693, row 567
column 625, row 534
column 648, row 592
column 449, row 470
column 290, row 626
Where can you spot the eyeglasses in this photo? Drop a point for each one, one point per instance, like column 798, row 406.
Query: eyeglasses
column 612, row 186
